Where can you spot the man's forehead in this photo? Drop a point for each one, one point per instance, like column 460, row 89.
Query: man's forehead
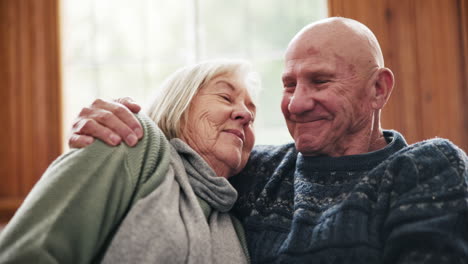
column 314, row 55
column 334, row 34
column 315, row 46
column 323, row 58
column 334, row 64
column 309, row 64
column 347, row 39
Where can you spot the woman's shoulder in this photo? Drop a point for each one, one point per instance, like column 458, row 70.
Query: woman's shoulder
column 154, row 144
column 149, row 157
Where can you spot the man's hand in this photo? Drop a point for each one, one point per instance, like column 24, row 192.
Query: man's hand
column 109, row 121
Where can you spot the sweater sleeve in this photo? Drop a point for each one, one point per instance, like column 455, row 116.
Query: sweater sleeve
column 75, row 208
column 428, row 216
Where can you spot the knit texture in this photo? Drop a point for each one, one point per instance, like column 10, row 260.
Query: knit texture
column 74, row 211
column 75, row 208
column 400, row 204
column 169, row 226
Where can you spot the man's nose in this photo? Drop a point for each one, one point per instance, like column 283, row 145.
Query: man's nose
column 302, row 101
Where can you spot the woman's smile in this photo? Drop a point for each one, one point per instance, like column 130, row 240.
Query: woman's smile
column 236, row 133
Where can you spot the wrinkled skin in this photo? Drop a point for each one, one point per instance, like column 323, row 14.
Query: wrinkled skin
column 109, row 121
column 220, row 124
column 333, row 93
column 335, row 87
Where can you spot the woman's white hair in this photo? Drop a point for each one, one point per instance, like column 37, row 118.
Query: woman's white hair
column 168, row 109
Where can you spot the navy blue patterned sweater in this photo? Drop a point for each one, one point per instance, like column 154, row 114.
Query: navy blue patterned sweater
column 400, row 204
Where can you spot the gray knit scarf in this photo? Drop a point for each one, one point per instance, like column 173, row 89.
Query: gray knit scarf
column 169, row 226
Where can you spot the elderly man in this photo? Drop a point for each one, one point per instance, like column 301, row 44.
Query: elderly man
column 346, row 191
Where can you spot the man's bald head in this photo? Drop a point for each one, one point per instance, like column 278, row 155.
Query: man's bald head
column 344, row 37
column 335, row 85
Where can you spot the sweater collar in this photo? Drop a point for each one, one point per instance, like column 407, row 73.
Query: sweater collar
column 354, row 162
column 215, row 190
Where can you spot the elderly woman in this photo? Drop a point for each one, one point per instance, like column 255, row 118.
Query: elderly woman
column 163, row 201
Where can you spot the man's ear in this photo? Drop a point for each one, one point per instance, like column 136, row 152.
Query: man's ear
column 383, row 88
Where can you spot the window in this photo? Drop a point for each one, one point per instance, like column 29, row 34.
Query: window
column 116, row 48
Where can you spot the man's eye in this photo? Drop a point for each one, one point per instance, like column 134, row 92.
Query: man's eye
column 289, row 85
column 320, row 81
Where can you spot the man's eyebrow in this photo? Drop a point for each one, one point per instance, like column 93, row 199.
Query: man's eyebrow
column 318, row 73
column 286, row 77
column 321, row 72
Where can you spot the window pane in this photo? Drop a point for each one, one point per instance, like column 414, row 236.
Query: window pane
column 222, row 27
column 270, row 125
column 115, row 48
column 119, row 26
column 77, row 31
column 117, row 80
column 272, row 24
column 169, row 31
column 79, row 90
column 155, row 75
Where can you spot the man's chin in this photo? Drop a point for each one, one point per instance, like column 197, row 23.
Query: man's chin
column 307, row 148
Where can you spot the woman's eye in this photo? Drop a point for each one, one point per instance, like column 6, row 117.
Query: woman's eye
column 226, row 98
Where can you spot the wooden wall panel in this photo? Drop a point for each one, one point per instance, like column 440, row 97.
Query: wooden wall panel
column 422, row 42
column 30, row 92
column 463, row 20
column 440, row 70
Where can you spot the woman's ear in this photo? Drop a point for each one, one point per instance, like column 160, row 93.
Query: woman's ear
column 383, row 88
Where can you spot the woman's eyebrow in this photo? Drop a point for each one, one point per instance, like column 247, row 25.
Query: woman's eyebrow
column 229, row 85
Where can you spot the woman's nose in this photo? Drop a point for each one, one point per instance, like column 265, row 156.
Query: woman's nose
column 243, row 114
